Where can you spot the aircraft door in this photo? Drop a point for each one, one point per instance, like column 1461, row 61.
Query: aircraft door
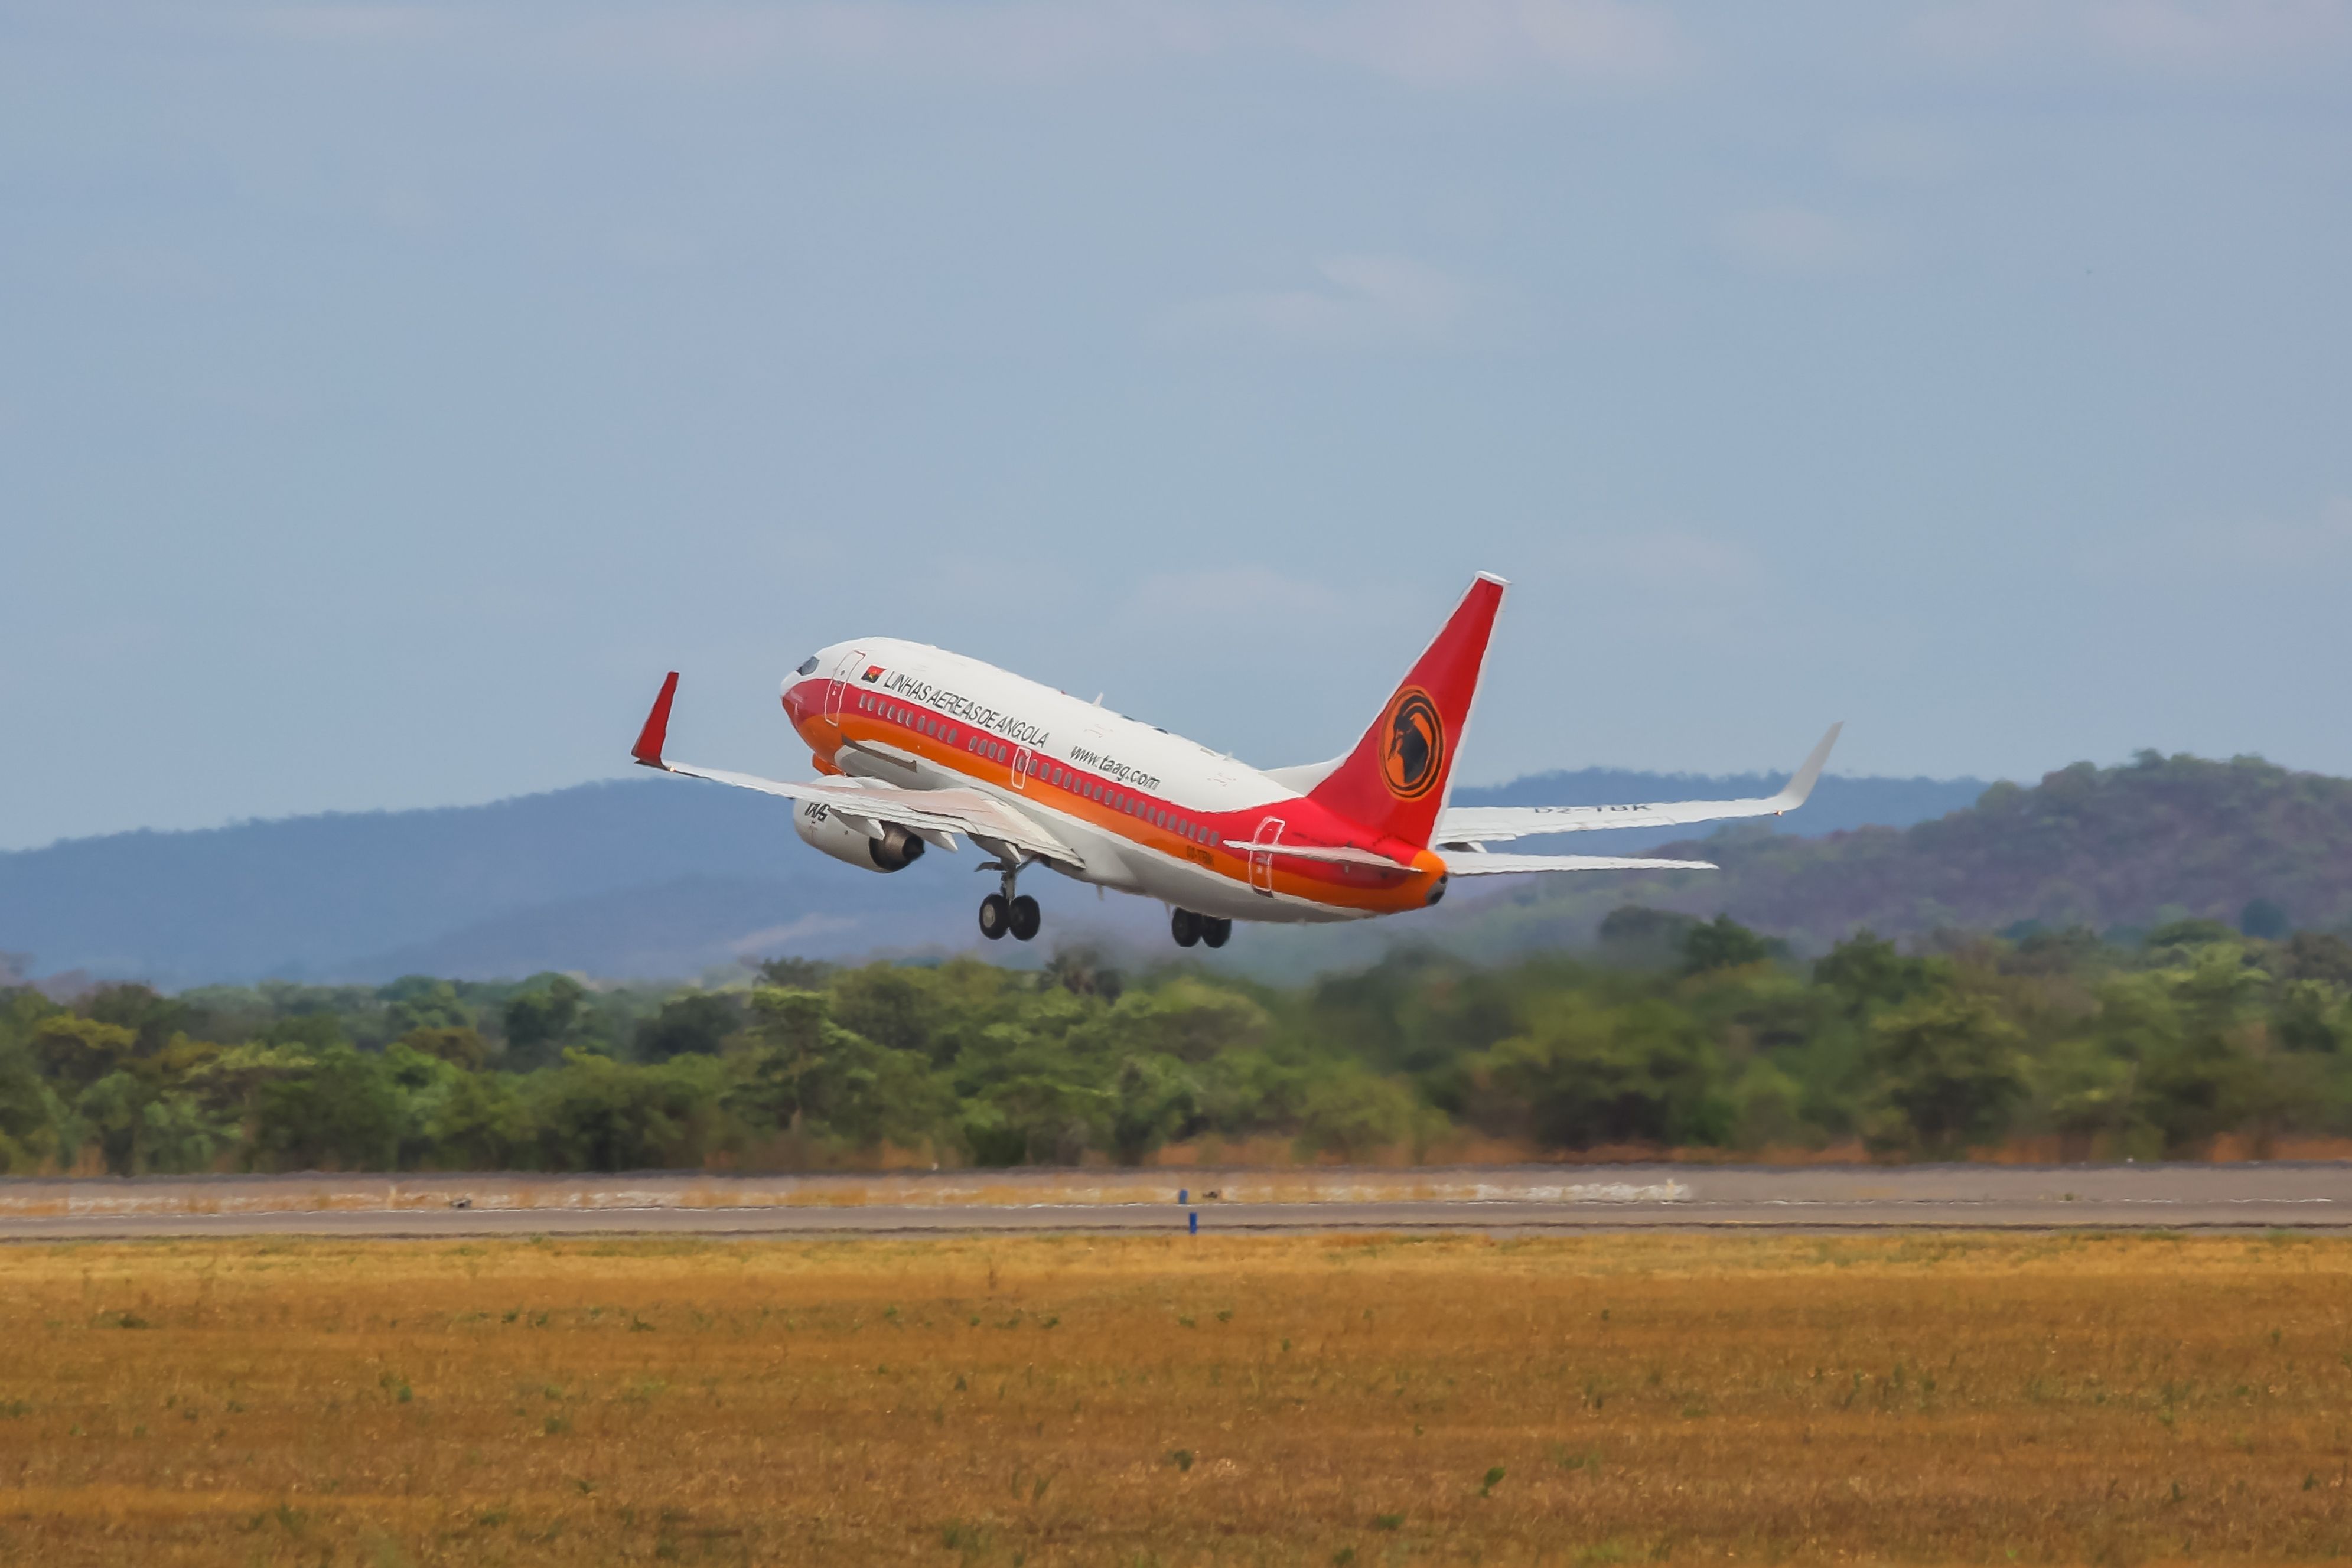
column 1021, row 760
column 842, row 673
column 1261, row 861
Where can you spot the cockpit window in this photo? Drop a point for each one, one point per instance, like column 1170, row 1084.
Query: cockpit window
column 808, row 666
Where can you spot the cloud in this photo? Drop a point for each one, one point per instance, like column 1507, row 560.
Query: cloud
column 1898, row 154
column 1456, row 42
column 653, row 249
column 1671, row 558
column 353, row 24
column 2185, row 38
column 1800, row 240
column 1253, row 595
column 2267, row 545
column 1363, row 302
column 2312, row 552
column 1645, row 582
column 1436, row 42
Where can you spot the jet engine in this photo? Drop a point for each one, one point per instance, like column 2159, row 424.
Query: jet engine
column 822, row 828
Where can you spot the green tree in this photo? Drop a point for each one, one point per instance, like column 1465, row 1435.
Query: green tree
column 79, row 1052
column 1154, row 1098
column 340, row 1111
column 2204, row 1079
column 598, row 1115
column 1354, row 1113
column 807, row 1076
column 697, row 1023
column 460, row 1046
column 542, row 1019
column 1585, row 1075
column 419, row 1001
column 1948, row 1074
column 1725, row 944
column 1868, row 973
column 1185, row 1018
column 483, row 1124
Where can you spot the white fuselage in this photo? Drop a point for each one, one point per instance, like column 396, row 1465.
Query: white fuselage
column 1098, row 780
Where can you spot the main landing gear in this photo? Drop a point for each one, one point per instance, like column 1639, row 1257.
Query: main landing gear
column 1007, row 912
column 1188, row 928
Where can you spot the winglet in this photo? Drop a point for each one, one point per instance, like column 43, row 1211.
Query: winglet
column 648, row 748
column 1793, row 795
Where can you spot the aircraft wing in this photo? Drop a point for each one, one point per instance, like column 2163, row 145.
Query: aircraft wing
column 1467, row 825
column 935, row 816
column 1476, row 862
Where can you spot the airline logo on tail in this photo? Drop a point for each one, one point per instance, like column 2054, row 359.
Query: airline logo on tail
column 1412, row 744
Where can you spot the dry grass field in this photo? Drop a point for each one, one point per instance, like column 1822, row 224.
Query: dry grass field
column 1177, row 1400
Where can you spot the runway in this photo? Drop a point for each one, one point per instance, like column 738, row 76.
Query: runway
column 2287, row 1196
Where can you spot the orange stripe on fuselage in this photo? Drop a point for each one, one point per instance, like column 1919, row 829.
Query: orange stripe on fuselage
column 1305, row 823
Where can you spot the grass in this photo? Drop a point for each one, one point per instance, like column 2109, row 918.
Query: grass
column 1381, row 1400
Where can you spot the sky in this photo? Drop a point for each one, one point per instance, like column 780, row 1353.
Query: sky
column 390, row 395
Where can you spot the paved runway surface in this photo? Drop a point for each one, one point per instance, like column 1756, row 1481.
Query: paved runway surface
column 2299, row 1197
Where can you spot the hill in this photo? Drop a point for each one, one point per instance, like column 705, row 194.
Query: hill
column 642, row 877
column 2156, row 840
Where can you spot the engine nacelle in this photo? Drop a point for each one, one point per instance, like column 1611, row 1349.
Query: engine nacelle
column 820, row 828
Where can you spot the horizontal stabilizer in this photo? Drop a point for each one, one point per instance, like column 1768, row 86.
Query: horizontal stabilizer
column 1471, row 862
column 1369, row 860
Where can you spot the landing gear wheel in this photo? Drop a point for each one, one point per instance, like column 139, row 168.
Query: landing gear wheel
column 1214, row 932
column 1185, row 926
column 1025, row 918
column 996, row 918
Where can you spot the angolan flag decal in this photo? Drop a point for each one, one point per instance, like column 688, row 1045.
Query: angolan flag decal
column 873, row 674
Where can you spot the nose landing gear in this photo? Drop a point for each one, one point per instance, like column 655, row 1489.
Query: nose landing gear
column 1009, row 911
column 1188, row 928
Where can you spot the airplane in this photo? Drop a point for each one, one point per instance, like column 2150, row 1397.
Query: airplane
column 917, row 747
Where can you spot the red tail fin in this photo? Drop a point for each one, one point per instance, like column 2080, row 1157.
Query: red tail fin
column 1396, row 780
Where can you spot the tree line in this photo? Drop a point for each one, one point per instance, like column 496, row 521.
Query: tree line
column 1675, row 1034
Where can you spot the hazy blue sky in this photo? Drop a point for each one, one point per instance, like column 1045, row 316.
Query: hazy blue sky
column 389, row 394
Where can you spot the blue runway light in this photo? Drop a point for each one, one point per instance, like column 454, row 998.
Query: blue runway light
column 1196, row 1218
